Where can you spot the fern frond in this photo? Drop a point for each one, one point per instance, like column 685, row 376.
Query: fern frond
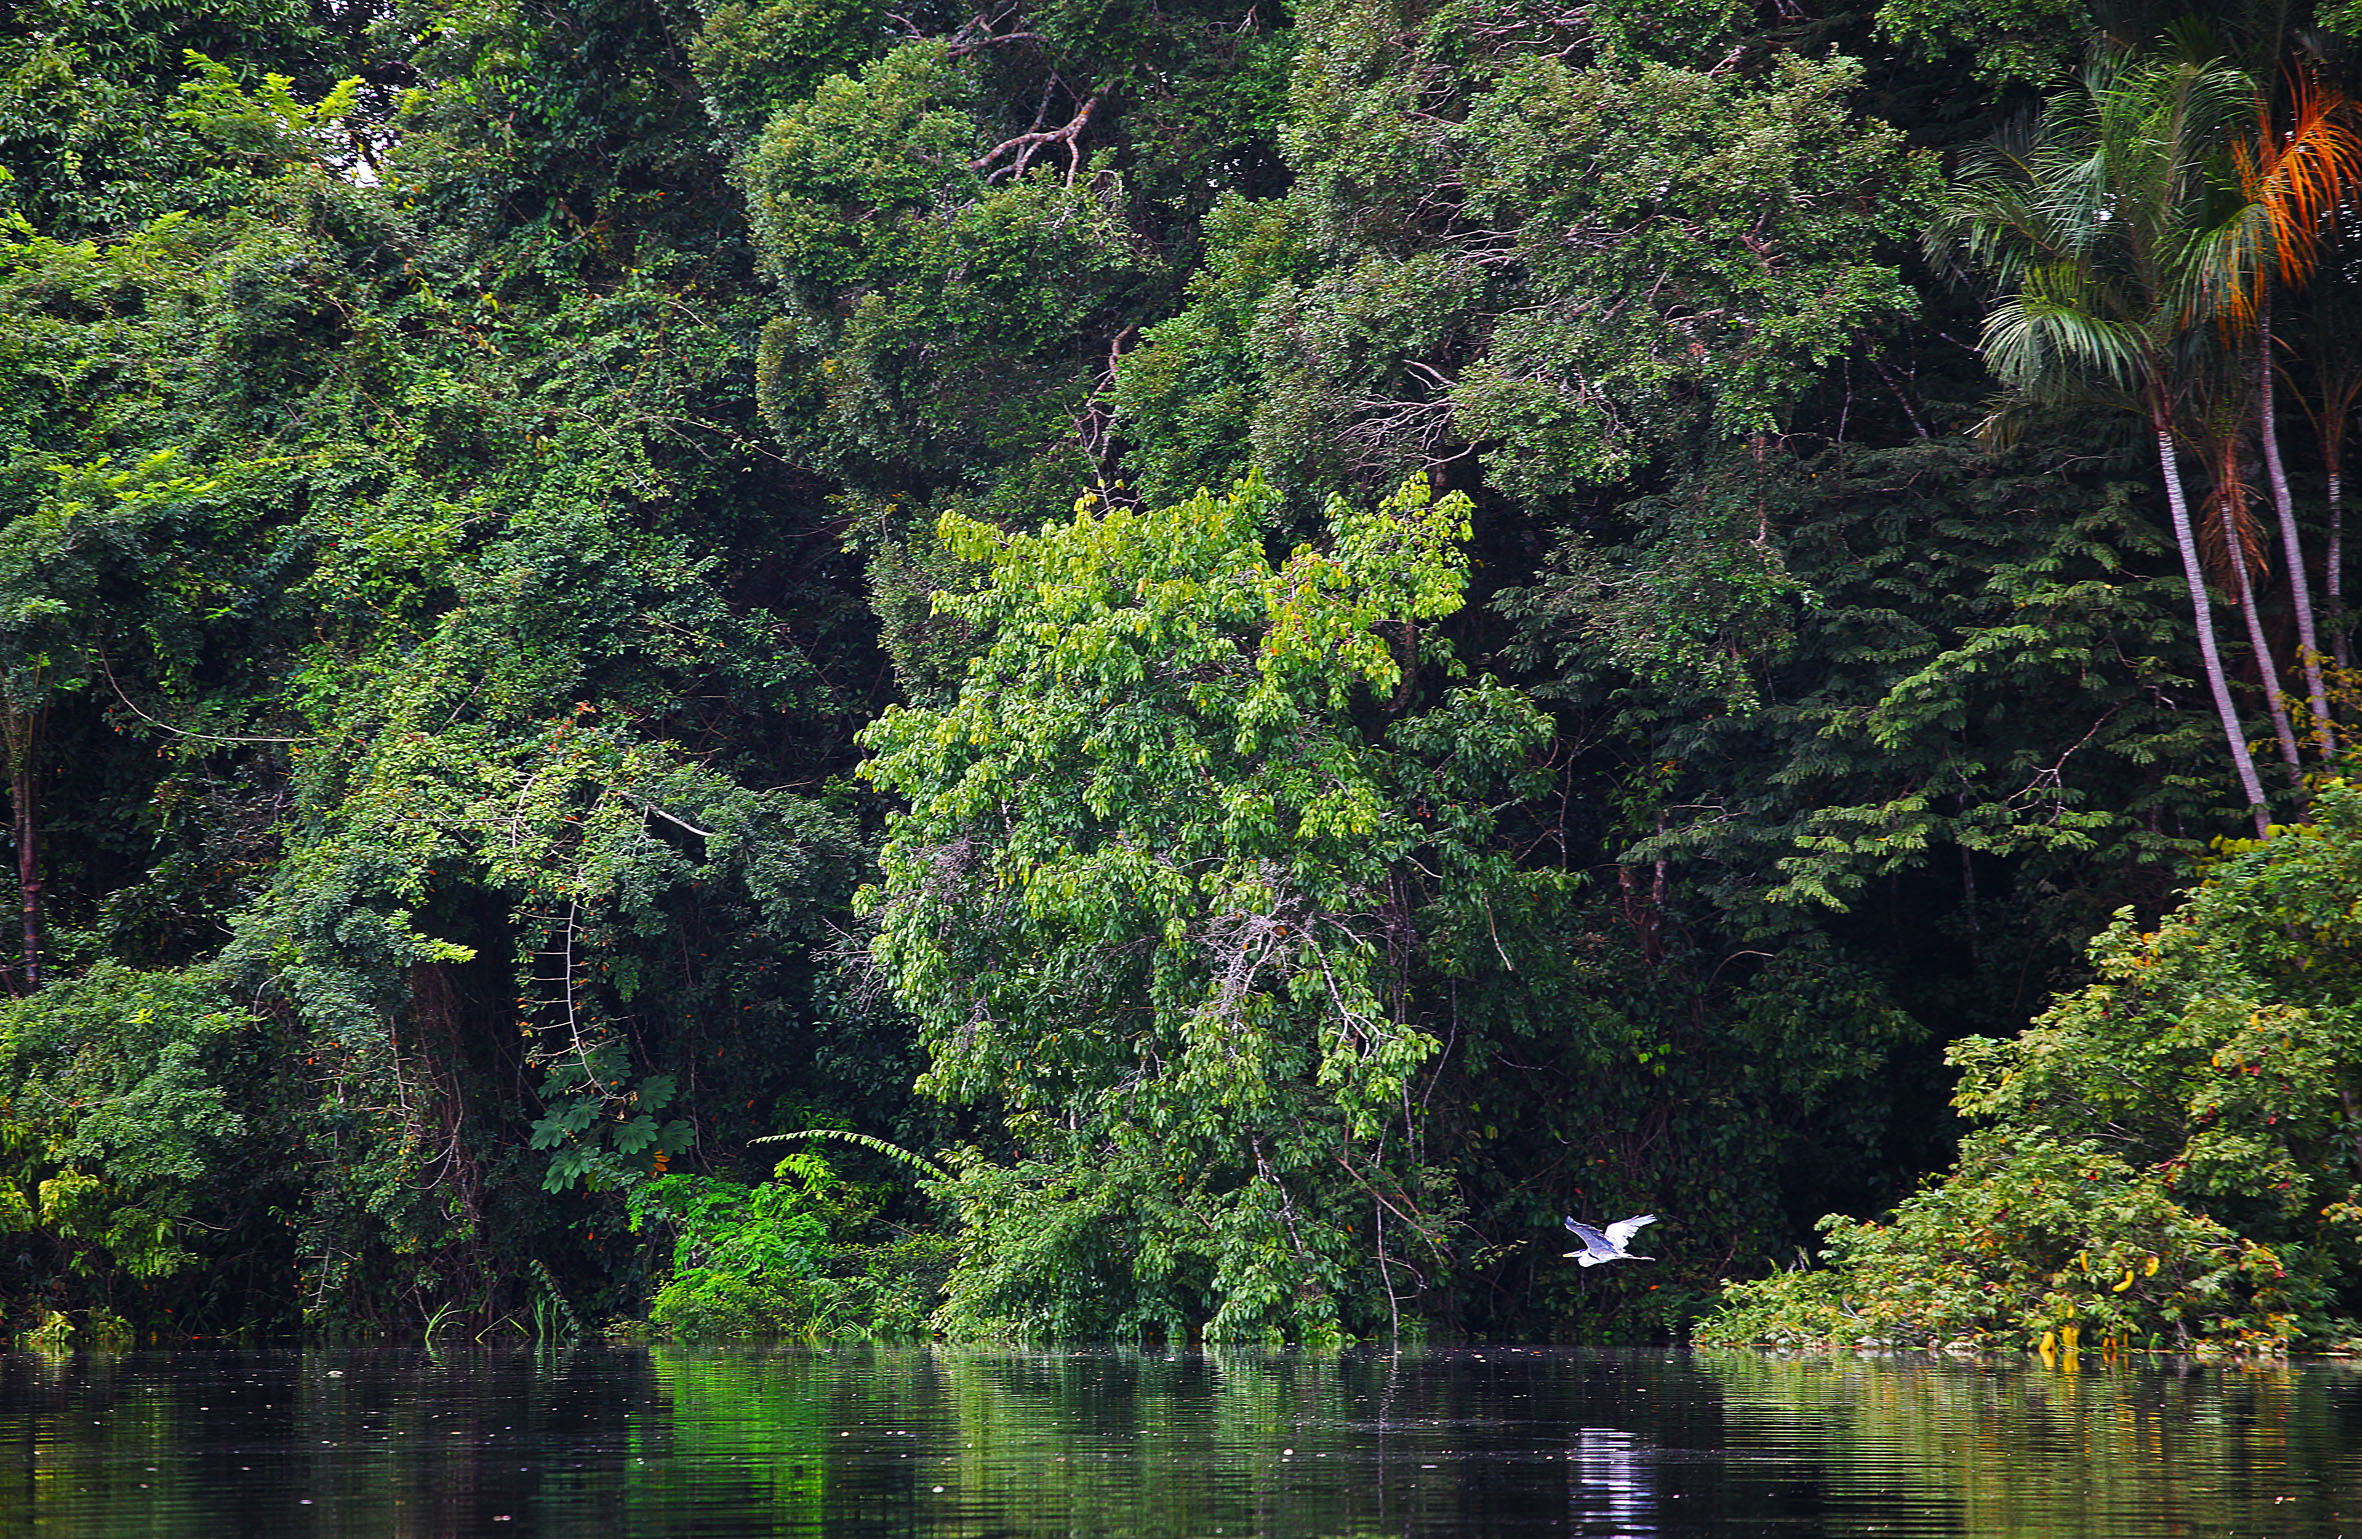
column 866, row 1141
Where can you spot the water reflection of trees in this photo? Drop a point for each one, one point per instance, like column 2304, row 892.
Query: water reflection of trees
column 1139, row 1445
column 2016, row 1449
column 1103, row 1441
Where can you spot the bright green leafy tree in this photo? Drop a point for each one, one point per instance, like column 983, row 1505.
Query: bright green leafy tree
column 1182, row 864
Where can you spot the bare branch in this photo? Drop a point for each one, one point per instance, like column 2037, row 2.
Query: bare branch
column 1027, row 145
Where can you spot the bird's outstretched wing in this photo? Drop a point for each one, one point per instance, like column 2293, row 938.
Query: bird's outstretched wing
column 1620, row 1233
column 1592, row 1239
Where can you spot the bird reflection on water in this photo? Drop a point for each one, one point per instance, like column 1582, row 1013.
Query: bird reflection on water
column 1611, row 1491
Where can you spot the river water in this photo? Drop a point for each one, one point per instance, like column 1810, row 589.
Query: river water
column 939, row 1441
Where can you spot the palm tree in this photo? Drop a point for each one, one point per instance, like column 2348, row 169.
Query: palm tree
column 2229, row 541
column 2333, row 303
column 2289, row 175
column 2090, row 218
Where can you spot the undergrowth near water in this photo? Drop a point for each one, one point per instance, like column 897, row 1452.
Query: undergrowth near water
column 2171, row 1156
column 800, row 1255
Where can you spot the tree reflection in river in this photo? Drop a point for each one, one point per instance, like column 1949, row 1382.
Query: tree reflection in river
column 932, row 1442
column 2170, row 1447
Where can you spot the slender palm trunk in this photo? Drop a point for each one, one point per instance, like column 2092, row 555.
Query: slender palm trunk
column 2300, row 585
column 2339, row 647
column 2202, row 611
column 2273, row 704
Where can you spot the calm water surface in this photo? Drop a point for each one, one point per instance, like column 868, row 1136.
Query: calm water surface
column 953, row 1442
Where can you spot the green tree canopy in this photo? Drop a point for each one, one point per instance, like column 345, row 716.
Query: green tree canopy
column 1184, row 863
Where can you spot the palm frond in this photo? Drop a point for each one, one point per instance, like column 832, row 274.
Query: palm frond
column 2229, row 533
column 2040, row 333
column 2301, row 173
column 2222, row 263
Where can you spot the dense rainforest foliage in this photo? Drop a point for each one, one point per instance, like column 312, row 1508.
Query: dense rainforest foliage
column 1230, row 652
column 2169, row 1153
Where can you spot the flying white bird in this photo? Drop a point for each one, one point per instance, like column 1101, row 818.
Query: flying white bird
column 1601, row 1246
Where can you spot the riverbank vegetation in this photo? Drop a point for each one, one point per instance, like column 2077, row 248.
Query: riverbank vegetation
column 1259, row 648
column 2168, row 1155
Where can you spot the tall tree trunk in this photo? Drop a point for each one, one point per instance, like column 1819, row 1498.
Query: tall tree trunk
column 2338, row 647
column 2262, row 647
column 20, row 734
column 2202, row 611
column 2300, row 586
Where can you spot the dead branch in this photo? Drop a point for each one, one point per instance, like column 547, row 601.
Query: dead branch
column 1027, row 145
